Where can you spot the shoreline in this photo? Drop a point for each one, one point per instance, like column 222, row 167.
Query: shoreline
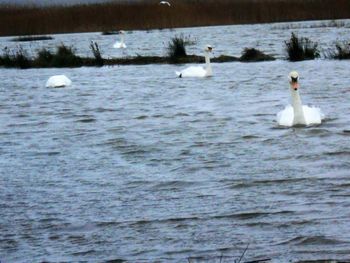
column 19, row 20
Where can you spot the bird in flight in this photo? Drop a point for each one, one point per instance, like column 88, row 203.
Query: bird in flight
column 164, row 3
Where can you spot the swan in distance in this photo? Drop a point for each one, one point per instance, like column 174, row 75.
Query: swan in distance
column 297, row 113
column 58, row 81
column 198, row 71
column 120, row 44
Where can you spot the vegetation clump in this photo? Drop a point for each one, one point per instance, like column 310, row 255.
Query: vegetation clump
column 177, row 48
column 65, row 57
column 299, row 49
column 254, row 55
column 31, row 38
column 97, row 53
column 17, row 58
column 342, row 51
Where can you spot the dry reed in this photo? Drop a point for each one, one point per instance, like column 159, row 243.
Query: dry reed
column 15, row 20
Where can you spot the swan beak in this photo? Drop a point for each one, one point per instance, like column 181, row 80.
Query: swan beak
column 295, row 85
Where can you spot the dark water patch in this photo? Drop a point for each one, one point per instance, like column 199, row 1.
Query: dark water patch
column 53, row 153
column 170, row 185
column 312, row 240
column 252, row 215
column 266, row 182
column 166, row 220
column 338, row 153
column 319, row 131
column 181, row 114
column 101, row 110
column 85, row 253
column 250, row 137
column 141, row 117
column 116, row 260
column 87, row 120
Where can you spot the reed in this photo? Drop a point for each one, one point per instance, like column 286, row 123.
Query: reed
column 176, row 48
column 97, row 53
column 112, row 16
column 342, row 51
column 299, row 49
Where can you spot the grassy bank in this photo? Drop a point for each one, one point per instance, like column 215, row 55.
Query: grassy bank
column 147, row 15
column 65, row 56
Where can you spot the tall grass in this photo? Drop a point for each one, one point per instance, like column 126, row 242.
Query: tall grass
column 301, row 48
column 176, row 48
column 342, row 51
column 113, row 16
column 95, row 49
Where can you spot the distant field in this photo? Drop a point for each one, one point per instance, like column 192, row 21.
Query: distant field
column 113, row 16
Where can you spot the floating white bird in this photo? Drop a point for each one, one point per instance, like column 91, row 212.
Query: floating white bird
column 164, row 3
column 120, row 44
column 198, row 71
column 58, row 81
column 298, row 114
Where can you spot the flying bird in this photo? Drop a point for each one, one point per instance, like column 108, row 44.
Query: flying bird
column 164, row 3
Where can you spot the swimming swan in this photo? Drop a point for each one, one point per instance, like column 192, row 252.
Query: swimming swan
column 298, row 114
column 58, row 81
column 120, row 44
column 198, row 71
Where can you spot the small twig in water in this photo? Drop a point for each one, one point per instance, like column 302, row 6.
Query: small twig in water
column 239, row 261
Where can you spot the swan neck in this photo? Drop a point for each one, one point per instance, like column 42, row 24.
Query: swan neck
column 122, row 38
column 207, row 64
column 299, row 117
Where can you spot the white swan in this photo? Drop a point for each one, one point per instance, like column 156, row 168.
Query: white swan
column 120, row 44
column 58, row 81
column 298, row 114
column 198, row 71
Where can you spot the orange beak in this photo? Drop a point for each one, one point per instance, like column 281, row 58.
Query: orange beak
column 295, row 85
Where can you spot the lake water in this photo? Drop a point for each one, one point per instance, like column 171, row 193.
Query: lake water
column 132, row 163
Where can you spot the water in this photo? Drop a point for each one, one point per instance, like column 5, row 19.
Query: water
column 133, row 163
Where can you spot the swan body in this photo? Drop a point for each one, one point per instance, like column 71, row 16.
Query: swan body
column 58, row 81
column 198, row 71
column 120, row 44
column 298, row 114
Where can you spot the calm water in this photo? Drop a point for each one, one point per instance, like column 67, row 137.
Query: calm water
column 133, row 163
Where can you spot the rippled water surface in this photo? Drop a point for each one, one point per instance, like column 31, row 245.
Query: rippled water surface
column 133, row 163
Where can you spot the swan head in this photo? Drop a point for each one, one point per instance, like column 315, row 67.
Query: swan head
column 122, row 32
column 208, row 48
column 293, row 78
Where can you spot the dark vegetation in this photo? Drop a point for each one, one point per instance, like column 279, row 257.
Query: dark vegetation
column 342, row 51
column 176, row 49
column 112, row 16
column 301, row 49
column 254, row 55
column 31, row 38
column 297, row 48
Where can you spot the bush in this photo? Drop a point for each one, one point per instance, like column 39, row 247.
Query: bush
column 65, row 57
column 342, row 51
column 177, row 48
column 301, row 49
column 252, row 55
column 44, row 57
column 18, row 58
